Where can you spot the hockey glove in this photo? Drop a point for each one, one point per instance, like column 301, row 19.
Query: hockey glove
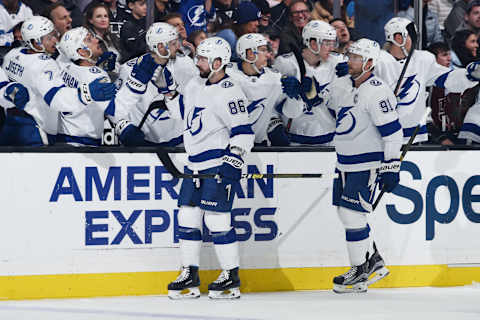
column 107, row 61
column 276, row 133
column 100, row 89
column 473, row 71
column 18, row 95
column 389, row 175
column 309, row 93
column 341, row 69
column 165, row 82
column 142, row 73
column 129, row 134
column 231, row 168
column 291, row 87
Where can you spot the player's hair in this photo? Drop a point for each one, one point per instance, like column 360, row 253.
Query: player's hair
column 47, row 13
column 438, row 47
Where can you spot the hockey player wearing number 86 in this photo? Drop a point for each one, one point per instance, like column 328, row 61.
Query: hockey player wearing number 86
column 217, row 137
column 368, row 138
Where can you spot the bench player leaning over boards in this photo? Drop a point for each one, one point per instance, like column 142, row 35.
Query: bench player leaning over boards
column 34, row 67
column 217, row 137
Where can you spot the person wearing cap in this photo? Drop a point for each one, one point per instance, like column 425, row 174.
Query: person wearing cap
column 247, row 17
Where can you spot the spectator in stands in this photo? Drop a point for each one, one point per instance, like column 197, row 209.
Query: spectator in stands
column 264, row 22
column 441, row 8
column 60, row 17
column 97, row 21
column 196, row 13
column 196, row 37
column 431, row 30
column 472, row 18
column 455, row 18
column 12, row 12
column 343, row 35
column 38, row 7
column 118, row 14
column 248, row 15
column 323, row 10
column 175, row 19
column 464, row 48
column 132, row 35
column 280, row 15
column 291, row 37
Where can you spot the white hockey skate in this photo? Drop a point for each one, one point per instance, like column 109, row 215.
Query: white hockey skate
column 227, row 285
column 186, row 285
column 376, row 267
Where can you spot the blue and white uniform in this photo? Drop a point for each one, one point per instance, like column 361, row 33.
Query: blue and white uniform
column 8, row 21
column 266, row 99
column 423, row 71
column 311, row 128
column 40, row 74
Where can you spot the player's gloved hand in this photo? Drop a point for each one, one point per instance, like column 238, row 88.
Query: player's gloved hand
column 100, row 89
column 17, row 94
column 164, row 81
column 276, row 133
column 107, row 61
column 129, row 134
column 389, row 175
column 231, row 168
column 142, row 73
column 341, row 69
column 473, row 71
column 309, row 93
column 291, row 87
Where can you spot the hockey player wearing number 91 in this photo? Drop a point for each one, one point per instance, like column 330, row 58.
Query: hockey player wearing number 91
column 368, row 138
column 217, row 137
column 33, row 67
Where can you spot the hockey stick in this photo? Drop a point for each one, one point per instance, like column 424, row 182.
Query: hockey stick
column 303, row 71
column 159, row 104
column 404, row 152
column 172, row 169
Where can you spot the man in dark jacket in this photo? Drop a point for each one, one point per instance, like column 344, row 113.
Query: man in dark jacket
column 132, row 35
column 38, row 7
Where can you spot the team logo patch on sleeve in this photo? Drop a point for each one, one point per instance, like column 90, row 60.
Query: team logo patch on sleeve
column 44, row 57
column 375, row 82
column 227, row 84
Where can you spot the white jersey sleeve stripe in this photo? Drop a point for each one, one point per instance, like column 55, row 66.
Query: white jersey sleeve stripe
column 389, row 128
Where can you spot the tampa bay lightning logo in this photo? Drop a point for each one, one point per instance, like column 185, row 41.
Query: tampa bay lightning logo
column 195, row 17
column 409, row 91
column 157, row 115
column 194, row 121
column 345, row 121
column 255, row 110
column 30, row 27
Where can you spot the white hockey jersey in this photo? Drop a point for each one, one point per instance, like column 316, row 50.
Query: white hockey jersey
column 264, row 94
column 311, row 127
column 40, row 74
column 368, row 130
column 8, row 21
column 423, row 71
column 215, row 116
column 159, row 127
column 470, row 129
column 85, row 125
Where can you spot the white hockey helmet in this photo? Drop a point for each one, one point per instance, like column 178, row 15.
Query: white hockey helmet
column 34, row 29
column 319, row 31
column 163, row 33
column 215, row 48
column 250, row 41
column 72, row 41
column 394, row 26
column 368, row 50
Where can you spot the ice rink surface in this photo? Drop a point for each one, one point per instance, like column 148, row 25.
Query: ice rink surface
column 458, row 303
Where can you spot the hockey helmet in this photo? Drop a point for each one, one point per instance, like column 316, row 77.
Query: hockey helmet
column 367, row 49
column 163, row 33
column 72, row 41
column 319, row 31
column 215, row 48
column 394, row 26
column 34, row 29
column 250, row 41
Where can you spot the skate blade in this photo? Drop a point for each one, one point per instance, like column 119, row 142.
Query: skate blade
column 233, row 293
column 378, row 275
column 356, row 288
column 190, row 293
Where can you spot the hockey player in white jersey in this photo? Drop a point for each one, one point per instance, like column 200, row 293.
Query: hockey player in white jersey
column 263, row 89
column 368, row 138
column 159, row 128
column 217, row 137
column 320, row 39
column 8, row 21
column 423, row 71
column 34, row 68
